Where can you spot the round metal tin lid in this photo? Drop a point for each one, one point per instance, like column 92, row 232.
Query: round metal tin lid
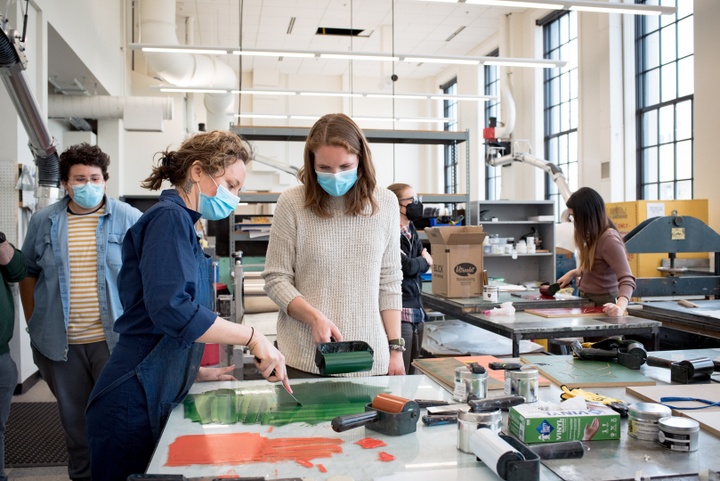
column 487, row 417
column 676, row 424
column 648, row 411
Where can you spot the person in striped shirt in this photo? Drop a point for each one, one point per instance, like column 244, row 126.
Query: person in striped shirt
column 70, row 295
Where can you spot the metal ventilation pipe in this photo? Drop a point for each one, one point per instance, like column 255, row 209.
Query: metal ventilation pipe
column 42, row 145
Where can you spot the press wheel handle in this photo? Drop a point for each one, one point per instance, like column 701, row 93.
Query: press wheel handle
column 350, row 421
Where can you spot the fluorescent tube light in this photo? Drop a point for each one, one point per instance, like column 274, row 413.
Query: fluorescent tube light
column 359, row 56
column 458, row 61
column 193, row 50
column 330, row 94
column 193, row 90
column 265, row 92
column 516, row 4
column 398, row 96
column 264, row 53
column 580, row 5
column 260, row 116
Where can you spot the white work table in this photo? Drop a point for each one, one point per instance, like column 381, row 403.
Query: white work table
column 431, row 453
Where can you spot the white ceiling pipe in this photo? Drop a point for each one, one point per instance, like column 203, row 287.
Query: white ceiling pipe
column 507, row 107
column 103, row 107
column 157, row 27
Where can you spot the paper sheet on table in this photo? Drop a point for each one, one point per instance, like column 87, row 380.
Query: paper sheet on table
column 708, row 312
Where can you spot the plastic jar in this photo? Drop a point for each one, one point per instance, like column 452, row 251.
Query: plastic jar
column 490, row 293
column 679, row 434
column 643, row 420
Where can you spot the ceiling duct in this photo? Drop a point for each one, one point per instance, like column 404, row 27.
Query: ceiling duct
column 42, row 145
column 157, row 27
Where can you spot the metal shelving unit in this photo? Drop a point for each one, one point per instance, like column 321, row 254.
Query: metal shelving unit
column 299, row 134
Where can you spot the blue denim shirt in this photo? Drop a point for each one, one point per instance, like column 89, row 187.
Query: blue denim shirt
column 159, row 281
column 46, row 250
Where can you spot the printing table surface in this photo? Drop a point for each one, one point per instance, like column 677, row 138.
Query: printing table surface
column 430, row 453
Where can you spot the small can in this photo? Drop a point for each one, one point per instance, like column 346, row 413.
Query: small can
column 469, row 385
column 490, row 293
column 643, row 420
column 523, row 382
column 469, row 422
column 678, row 434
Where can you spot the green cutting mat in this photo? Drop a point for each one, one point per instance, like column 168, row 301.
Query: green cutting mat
column 579, row 373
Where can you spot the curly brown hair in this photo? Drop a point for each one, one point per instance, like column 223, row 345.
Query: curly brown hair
column 214, row 150
column 84, row 154
column 339, row 130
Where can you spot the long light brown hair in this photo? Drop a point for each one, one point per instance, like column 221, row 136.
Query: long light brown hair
column 339, row 130
column 591, row 221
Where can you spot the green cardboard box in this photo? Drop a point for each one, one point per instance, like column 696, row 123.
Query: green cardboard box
column 533, row 425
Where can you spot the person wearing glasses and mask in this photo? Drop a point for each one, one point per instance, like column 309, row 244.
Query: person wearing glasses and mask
column 333, row 263
column 70, row 295
column 415, row 260
column 166, row 290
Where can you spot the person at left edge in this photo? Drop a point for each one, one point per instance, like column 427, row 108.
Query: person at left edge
column 166, row 289
column 70, row 295
column 12, row 269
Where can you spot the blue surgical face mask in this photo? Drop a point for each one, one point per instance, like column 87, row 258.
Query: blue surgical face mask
column 337, row 184
column 218, row 207
column 88, row 195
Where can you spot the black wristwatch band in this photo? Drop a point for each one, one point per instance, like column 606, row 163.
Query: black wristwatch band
column 2, row 237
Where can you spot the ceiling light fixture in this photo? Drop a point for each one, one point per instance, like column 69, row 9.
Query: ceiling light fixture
column 457, row 60
column 433, row 120
column 580, row 5
column 370, row 95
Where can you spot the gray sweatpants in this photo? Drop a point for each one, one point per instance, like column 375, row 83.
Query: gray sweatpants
column 71, row 382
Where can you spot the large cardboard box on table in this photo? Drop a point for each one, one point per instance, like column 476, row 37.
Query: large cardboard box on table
column 457, row 253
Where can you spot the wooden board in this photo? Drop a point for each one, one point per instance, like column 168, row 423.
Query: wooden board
column 442, row 370
column 568, row 312
column 708, row 418
column 578, row 373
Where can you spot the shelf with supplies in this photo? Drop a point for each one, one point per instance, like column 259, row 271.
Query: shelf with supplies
column 509, row 222
column 257, row 244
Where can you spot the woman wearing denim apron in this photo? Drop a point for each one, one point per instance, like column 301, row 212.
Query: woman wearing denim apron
column 166, row 289
column 604, row 274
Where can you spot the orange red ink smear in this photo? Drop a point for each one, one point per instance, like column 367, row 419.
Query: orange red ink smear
column 369, row 443
column 304, row 463
column 322, row 468
column 244, row 448
column 385, row 457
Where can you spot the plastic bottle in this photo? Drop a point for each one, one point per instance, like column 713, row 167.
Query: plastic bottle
column 505, row 309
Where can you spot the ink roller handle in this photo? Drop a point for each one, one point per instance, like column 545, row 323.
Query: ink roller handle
column 382, row 402
column 351, row 421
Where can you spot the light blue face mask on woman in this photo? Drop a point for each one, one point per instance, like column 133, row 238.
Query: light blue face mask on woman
column 218, row 207
column 88, row 195
column 337, row 184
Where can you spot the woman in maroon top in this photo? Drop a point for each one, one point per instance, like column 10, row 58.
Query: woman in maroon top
column 604, row 274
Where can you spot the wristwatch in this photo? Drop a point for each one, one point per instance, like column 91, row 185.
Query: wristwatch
column 397, row 344
column 2, row 237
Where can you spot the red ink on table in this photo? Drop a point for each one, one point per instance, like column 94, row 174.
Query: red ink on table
column 244, row 448
column 385, row 457
column 370, row 443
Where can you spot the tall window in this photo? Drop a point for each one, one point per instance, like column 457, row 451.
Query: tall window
column 450, row 111
column 561, row 102
column 665, row 90
column 492, row 88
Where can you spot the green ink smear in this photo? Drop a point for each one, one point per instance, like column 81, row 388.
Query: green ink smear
column 272, row 405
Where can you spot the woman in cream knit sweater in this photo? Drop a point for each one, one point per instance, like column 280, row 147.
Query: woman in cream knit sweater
column 333, row 262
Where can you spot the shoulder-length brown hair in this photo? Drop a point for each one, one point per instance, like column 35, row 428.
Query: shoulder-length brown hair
column 339, row 130
column 591, row 221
